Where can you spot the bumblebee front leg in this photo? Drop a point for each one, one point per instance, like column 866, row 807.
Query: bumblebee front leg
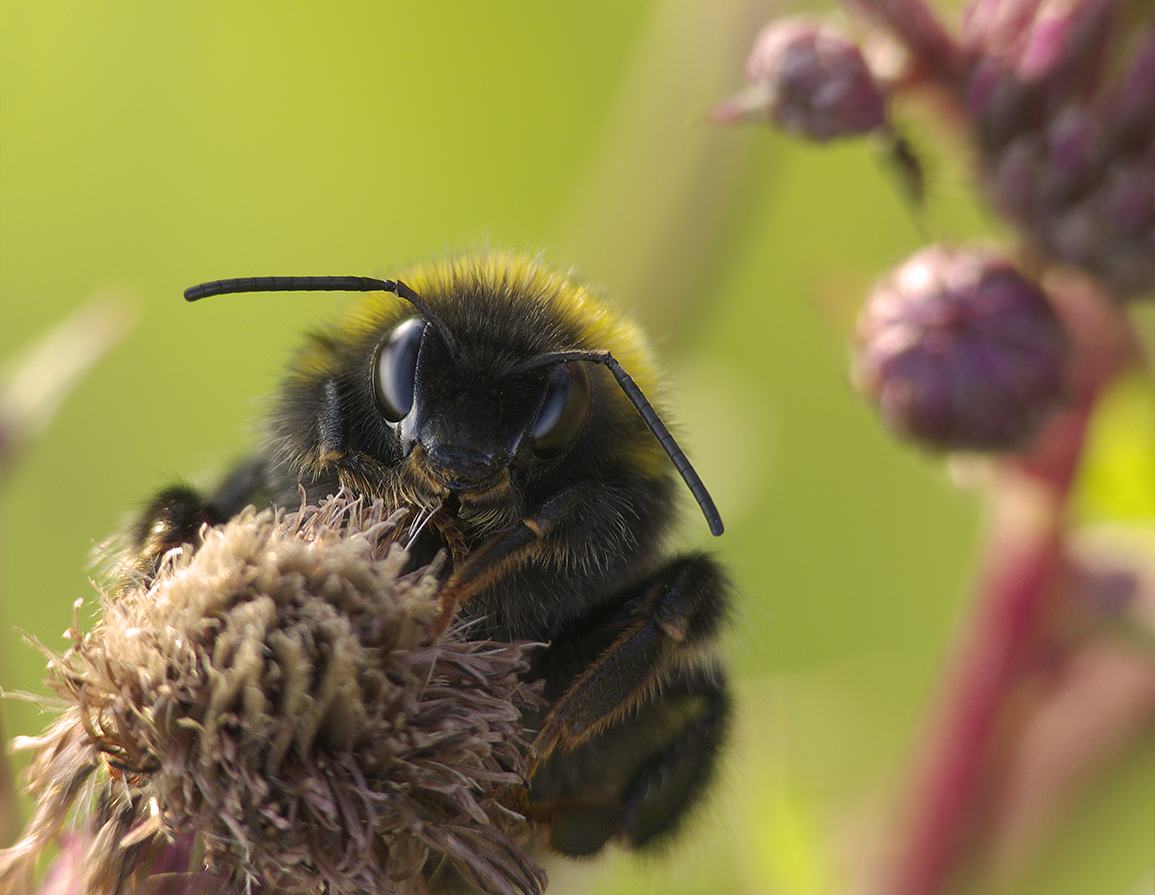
column 518, row 543
column 633, row 736
column 174, row 517
column 177, row 514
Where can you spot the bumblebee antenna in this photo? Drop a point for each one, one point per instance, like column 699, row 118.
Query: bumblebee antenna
column 368, row 284
column 322, row 284
column 650, row 417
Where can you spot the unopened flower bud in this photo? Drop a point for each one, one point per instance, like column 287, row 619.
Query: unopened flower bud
column 277, row 711
column 959, row 350
column 1062, row 99
column 809, row 79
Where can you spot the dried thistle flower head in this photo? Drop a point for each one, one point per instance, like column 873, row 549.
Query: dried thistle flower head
column 960, row 350
column 273, row 712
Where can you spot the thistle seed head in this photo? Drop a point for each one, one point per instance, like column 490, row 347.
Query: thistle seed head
column 273, row 713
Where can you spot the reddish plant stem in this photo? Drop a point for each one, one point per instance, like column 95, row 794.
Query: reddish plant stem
column 935, row 53
column 1012, row 593
column 1024, row 556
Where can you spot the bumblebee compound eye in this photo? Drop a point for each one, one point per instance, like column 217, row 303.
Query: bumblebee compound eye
column 395, row 369
column 564, row 409
column 645, row 411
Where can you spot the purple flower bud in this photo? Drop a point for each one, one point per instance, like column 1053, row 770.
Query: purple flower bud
column 959, row 350
column 1133, row 98
column 1062, row 100
column 810, row 79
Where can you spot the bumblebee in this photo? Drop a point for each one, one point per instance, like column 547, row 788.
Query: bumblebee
column 494, row 392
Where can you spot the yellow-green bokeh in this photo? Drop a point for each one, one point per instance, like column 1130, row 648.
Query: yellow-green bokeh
column 144, row 148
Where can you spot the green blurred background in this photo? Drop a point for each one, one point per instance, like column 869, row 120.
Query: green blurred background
column 144, row 148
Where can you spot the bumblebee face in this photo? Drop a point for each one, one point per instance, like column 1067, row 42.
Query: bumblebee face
column 484, row 389
column 464, row 427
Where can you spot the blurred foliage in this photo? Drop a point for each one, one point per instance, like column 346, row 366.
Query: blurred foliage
column 149, row 148
column 1118, row 477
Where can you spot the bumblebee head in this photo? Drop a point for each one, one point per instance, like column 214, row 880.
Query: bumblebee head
column 482, row 385
column 463, row 421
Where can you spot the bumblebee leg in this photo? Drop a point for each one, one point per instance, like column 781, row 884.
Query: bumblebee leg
column 673, row 618
column 632, row 737
column 174, row 517
column 637, row 780
column 515, row 545
column 664, row 786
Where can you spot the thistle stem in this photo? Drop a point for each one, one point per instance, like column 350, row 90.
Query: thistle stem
column 1007, row 637
column 998, row 646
